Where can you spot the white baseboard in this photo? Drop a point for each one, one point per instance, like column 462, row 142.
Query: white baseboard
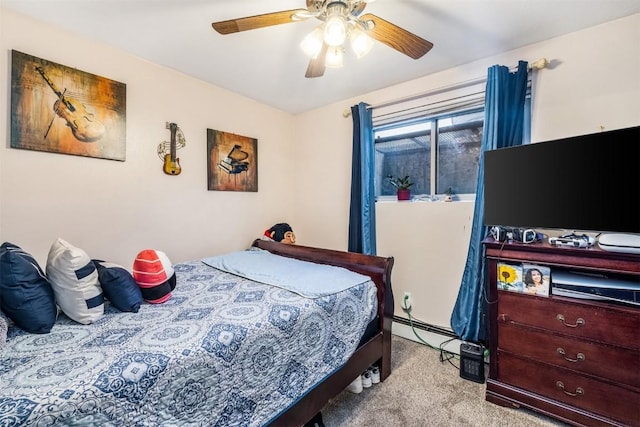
column 432, row 338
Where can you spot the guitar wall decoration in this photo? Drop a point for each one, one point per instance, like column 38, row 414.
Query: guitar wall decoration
column 167, row 150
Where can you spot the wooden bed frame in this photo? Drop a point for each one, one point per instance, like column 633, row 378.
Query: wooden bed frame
column 375, row 351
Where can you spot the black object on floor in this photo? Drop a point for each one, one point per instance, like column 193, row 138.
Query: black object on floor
column 316, row 421
column 472, row 362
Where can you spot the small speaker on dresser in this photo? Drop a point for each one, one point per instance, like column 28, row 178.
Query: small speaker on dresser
column 472, row 362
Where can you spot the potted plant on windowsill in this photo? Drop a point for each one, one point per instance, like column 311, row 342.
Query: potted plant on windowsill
column 402, row 185
column 448, row 195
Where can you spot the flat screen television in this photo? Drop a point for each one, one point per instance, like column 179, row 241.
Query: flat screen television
column 588, row 183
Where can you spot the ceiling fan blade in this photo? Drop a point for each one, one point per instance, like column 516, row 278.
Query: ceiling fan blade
column 316, row 65
column 395, row 37
column 259, row 21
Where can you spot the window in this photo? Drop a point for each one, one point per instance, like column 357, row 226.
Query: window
column 436, row 152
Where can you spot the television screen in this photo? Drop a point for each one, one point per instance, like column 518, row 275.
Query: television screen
column 588, row 183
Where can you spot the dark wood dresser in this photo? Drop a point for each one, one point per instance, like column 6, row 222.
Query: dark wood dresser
column 577, row 360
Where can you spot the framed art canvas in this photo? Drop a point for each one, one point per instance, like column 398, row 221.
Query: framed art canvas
column 60, row 109
column 232, row 162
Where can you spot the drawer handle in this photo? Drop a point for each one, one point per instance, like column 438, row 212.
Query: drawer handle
column 579, row 357
column 579, row 322
column 579, row 390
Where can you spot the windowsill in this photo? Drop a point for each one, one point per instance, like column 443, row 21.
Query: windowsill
column 424, row 198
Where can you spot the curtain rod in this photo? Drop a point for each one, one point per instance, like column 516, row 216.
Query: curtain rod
column 536, row 65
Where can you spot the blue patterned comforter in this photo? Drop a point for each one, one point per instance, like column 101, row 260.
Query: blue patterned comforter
column 223, row 351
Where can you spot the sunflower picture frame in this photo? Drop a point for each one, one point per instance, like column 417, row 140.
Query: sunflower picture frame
column 510, row 277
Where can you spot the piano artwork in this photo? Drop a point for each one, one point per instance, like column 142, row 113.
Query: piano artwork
column 232, row 162
column 235, row 162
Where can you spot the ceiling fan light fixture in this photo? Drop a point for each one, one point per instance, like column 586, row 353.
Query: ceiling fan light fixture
column 341, row 20
column 312, row 43
column 335, row 30
column 361, row 43
column 334, row 57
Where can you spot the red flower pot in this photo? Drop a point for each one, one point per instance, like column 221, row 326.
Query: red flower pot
column 404, row 194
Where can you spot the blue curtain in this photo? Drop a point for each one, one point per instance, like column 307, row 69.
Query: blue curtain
column 505, row 125
column 362, row 211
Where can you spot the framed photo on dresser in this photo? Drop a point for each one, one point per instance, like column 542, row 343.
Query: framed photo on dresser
column 536, row 279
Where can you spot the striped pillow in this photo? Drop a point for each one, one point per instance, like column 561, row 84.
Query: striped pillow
column 74, row 279
column 155, row 276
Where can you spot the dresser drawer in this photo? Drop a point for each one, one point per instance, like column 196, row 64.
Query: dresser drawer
column 618, row 365
column 562, row 385
column 606, row 324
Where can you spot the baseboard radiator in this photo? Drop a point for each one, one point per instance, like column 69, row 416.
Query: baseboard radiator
column 425, row 327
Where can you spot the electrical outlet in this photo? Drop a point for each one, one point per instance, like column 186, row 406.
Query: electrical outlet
column 406, row 300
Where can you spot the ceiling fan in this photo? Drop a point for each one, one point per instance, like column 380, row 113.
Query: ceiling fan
column 342, row 20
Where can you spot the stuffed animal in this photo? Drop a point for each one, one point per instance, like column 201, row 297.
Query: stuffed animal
column 281, row 232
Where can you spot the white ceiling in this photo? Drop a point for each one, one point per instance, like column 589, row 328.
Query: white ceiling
column 267, row 64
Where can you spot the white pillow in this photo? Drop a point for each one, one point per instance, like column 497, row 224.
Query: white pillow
column 75, row 284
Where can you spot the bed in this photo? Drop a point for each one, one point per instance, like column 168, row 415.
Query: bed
column 224, row 350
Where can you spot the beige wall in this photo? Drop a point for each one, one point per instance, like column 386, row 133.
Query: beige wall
column 594, row 81
column 115, row 209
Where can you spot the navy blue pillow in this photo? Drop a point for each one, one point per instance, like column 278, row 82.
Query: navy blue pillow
column 27, row 296
column 118, row 286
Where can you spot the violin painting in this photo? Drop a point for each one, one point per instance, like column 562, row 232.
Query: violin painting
column 60, row 109
column 83, row 124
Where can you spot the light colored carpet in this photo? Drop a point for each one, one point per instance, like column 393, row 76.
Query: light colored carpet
column 423, row 391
